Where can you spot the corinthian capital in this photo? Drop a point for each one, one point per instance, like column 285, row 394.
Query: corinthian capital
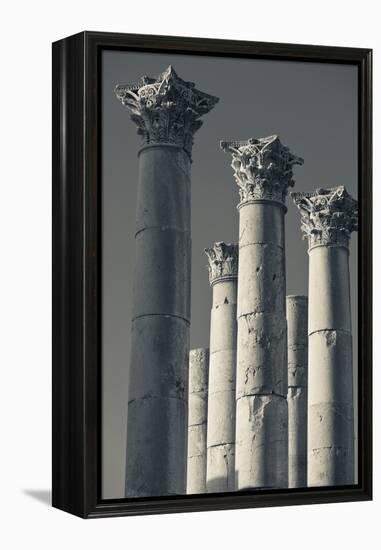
column 166, row 109
column 328, row 216
column 223, row 261
column 262, row 168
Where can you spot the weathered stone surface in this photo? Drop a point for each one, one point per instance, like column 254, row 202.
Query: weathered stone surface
column 221, row 463
column 262, row 360
column 261, row 424
column 263, row 284
column 163, row 362
column 167, row 111
column 297, row 323
column 330, row 402
column 225, row 333
column 330, row 412
column 262, row 223
column 157, row 408
column 261, row 442
column 221, row 429
column 155, row 466
column 197, row 420
column 163, row 242
column 162, row 203
column 328, row 218
column 263, row 172
column 297, row 437
column 197, row 448
column 340, row 466
column 223, row 263
column 162, row 273
column 223, row 377
column 330, row 353
column 329, row 280
column 297, row 343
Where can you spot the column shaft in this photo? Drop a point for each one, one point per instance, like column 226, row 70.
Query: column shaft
column 222, row 375
column 197, row 420
column 330, row 397
column 297, row 338
column 158, row 387
column 261, row 426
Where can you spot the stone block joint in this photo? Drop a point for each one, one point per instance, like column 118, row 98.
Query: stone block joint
column 197, row 420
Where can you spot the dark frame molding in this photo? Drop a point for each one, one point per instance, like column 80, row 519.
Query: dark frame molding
column 76, row 273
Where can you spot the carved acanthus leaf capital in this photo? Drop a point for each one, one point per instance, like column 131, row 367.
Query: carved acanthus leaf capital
column 166, row 109
column 223, row 261
column 328, row 216
column 262, row 168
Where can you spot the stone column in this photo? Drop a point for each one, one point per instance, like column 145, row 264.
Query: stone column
column 223, row 272
column 167, row 112
column 263, row 172
column 197, row 420
column 328, row 218
column 297, row 339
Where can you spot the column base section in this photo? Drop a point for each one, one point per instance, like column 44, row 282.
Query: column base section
column 262, row 442
column 156, row 465
column 196, row 468
column 196, row 482
column 329, row 466
column 330, row 445
column 330, row 409
column 157, row 426
column 297, row 437
column 220, row 468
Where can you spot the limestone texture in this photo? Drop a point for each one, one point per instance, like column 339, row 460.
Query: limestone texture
column 223, row 270
column 197, row 420
column 297, row 343
column 328, row 218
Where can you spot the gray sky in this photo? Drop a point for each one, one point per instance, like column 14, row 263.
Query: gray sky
column 313, row 109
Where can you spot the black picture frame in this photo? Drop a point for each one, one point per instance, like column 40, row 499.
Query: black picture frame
column 77, row 259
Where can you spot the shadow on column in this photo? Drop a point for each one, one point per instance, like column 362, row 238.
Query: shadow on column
column 217, row 484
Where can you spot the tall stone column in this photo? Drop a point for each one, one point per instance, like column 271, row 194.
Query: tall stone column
column 197, row 420
column 297, row 339
column 167, row 112
column 263, row 172
column 328, row 218
column 223, row 272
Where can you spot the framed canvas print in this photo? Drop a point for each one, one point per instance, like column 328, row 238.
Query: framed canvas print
column 211, row 274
